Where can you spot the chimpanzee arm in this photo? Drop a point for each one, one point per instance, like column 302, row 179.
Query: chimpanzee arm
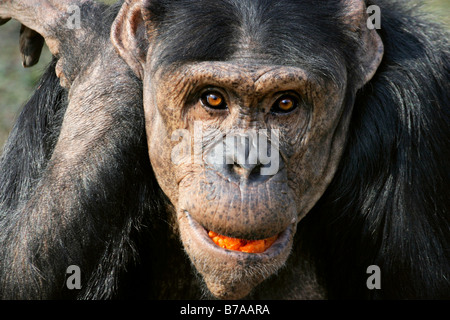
column 67, row 216
column 70, row 217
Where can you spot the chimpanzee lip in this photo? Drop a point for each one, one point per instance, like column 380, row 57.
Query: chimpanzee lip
column 282, row 243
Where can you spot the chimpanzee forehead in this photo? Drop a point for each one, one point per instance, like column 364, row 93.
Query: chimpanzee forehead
column 284, row 32
column 240, row 77
column 256, row 78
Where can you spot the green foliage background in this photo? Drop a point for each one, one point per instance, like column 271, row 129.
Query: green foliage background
column 17, row 83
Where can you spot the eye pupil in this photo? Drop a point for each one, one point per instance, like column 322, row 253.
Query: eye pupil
column 213, row 100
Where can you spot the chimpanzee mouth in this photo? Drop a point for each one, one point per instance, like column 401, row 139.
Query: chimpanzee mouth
column 233, row 274
column 240, row 248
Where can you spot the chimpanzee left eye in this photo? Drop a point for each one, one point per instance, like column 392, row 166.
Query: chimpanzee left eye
column 285, row 104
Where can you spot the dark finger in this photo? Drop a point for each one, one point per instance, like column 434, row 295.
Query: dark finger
column 31, row 44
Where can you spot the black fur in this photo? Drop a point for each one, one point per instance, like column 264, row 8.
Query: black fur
column 388, row 204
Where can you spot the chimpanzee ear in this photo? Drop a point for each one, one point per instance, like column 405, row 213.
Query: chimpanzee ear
column 371, row 46
column 129, row 35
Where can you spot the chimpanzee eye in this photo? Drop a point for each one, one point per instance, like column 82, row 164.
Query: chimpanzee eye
column 213, row 100
column 285, row 104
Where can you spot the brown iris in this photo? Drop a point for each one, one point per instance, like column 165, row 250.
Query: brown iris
column 213, row 100
column 285, row 104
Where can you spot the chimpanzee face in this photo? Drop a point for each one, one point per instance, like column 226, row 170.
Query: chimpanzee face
column 231, row 147
column 243, row 139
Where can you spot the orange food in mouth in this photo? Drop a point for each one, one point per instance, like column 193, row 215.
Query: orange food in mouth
column 249, row 246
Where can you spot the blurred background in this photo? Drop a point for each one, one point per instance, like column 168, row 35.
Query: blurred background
column 17, row 83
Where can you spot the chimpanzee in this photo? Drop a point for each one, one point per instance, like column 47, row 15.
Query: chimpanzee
column 258, row 149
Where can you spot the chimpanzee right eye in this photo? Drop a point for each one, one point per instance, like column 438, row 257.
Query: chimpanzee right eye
column 213, row 100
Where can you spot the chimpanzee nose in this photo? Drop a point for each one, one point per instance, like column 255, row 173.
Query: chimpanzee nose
column 242, row 160
column 239, row 158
